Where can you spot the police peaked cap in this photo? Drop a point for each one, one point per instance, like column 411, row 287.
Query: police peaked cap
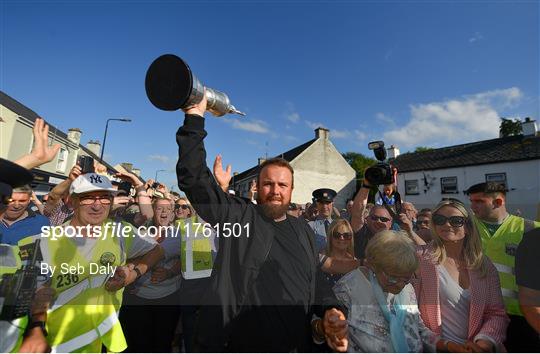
column 324, row 194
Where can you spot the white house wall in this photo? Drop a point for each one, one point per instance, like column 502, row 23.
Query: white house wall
column 522, row 177
column 322, row 166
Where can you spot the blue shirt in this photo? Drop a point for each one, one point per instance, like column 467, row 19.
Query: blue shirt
column 319, row 229
column 29, row 226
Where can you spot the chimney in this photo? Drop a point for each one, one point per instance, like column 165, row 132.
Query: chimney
column 393, row 152
column 322, row 133
column 136, row 172
column 261, row 160
column 94, row 146
column 529, row 127
column 74, row 135
column 128, row 166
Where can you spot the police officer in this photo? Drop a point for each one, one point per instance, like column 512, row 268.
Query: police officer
column 324, row 199
column 501, row 233
column 27, row 333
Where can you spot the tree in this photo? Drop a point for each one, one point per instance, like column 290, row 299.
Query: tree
column 359, row 163
column 509, row 127
column 422, row 149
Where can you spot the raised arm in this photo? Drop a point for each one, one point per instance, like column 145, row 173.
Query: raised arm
column 194, row 176
column 42, row 152
column 359, row 205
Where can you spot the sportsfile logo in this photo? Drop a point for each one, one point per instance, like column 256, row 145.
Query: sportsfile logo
column 194, row 230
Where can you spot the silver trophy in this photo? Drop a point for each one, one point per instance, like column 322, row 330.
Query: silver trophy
column 170, row 85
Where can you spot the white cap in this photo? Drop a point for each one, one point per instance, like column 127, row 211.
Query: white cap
column 91, row 182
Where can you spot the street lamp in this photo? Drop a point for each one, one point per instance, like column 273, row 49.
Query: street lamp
column 155, row 179
column 105, row 136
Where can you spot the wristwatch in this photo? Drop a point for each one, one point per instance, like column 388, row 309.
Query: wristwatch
column 40, row 324
column 138, row 271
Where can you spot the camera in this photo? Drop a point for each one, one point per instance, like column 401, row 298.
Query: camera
column 155, row 185
column 381, row 173
column 125, row 187
column 17, row 290
column 86, row 163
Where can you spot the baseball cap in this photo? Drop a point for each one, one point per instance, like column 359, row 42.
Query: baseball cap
column 91, row 182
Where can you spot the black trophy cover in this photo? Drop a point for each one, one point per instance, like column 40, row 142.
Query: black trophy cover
column 168, row 82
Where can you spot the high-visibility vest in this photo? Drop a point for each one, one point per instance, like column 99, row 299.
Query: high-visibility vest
column 84, row 314
column 11, row 332
column 501, row 249
column 195, row 248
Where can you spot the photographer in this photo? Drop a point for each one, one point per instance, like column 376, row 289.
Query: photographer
column 380, row 217
column 23, row 333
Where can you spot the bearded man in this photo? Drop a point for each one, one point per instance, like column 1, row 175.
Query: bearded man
column 266, row 284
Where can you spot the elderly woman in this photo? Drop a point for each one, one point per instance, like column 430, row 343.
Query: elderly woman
column 458, row 287
column 151, row 310
column 383, row 313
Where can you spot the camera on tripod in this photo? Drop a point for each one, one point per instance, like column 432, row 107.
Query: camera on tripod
column 381, row 173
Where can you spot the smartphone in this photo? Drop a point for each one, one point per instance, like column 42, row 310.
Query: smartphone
column 86, row 163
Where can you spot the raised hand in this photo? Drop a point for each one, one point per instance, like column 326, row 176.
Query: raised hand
column 42, row 152
column 223, row 177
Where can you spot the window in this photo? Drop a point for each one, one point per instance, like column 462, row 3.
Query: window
column 449, row 185
column 62, row 160
column 497, row 177
column 411, row 187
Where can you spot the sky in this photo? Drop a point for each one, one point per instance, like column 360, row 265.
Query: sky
column 411, row 73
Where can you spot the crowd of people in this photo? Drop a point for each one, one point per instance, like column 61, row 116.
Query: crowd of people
column 376, row 276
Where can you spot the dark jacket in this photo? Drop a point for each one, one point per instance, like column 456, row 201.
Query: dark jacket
column 239, row 258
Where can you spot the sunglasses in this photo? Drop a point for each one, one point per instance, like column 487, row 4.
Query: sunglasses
column 379, row 218
column 346, row 236
column 182, row 206
column 397, row 280
column 455, row 221
column 102, row 199
column 422, row 222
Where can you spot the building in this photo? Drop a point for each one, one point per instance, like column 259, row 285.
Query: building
column 317, row 164
column 426, row 177
column 16, row 140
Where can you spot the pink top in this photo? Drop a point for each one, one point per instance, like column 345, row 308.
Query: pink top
column 487, row 316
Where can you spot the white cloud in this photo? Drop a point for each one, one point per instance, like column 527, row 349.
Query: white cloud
column 476, row 37
column 293, row 117
column 360, row 135
column 339, row 134
column 384, row 119
column 455, row 121
column 254, row 125
column 315, row 125
column 161, row 158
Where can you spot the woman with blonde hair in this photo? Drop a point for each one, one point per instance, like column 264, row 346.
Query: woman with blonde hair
column 381, row 302
column 338, row 257
column 458, row 287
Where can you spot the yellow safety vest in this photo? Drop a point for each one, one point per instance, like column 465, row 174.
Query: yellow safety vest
column 195, row 249
column 84, row 314
column 501, row 249
column 11, row 332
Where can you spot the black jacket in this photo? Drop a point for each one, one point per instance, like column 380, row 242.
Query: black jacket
column 239, row 258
